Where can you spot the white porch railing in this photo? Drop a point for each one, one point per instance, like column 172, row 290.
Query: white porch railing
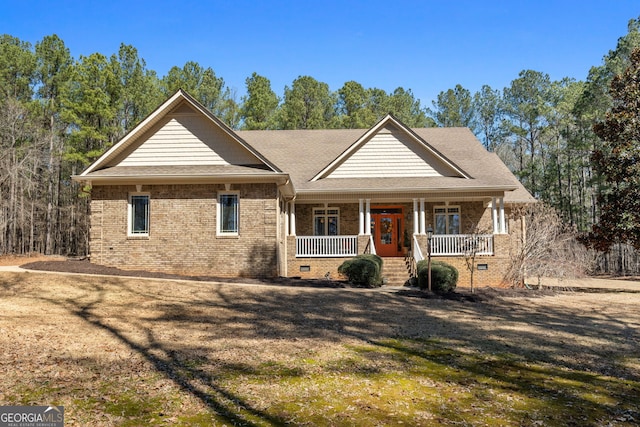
column 372, row 246
column 417, row 252
column 461, row 244
column 326, row 246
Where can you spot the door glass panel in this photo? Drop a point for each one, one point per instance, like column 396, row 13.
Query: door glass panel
column 386, row 231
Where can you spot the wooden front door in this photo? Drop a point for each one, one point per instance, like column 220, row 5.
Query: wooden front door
column 387, row 226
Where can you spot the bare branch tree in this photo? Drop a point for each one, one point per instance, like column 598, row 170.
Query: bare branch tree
column 474, row 243
column 546, row 248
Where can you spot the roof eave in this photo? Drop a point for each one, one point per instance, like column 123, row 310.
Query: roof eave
column 278, row 178
column 411, row 189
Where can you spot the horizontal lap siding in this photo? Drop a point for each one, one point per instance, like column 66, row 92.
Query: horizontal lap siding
column 391, row 154
column 188, row 140
column 182, row 237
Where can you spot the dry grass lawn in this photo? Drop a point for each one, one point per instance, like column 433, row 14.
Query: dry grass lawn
column 134, row 352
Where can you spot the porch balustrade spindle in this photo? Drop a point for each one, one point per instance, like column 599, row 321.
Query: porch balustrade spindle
column 326, row 246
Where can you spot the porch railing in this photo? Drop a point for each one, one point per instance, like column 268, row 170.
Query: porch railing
column 461, row 244
column 326, row 246
column 416, row 257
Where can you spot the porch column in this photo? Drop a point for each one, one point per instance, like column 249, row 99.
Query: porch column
column 503, row 225
column 292, row 217
column 416, row 230
column 423, row 228
column 286, row 218
column 367, row 216
column 361, row 217
column 494, row 215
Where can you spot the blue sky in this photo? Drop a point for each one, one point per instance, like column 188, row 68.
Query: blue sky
column 426, row 46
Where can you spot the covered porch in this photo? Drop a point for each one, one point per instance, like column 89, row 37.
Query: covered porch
column 341, row 230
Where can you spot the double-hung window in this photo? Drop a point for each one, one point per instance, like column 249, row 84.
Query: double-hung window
column 326, row 222
column 138, row 213
column 447, row 219
column 228, row 213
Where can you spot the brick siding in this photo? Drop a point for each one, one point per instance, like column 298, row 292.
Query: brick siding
column 182, row 231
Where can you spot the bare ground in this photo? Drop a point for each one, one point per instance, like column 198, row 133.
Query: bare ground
column 92, row 343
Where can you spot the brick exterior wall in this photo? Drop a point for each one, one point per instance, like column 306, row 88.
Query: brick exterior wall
column 182, row 232
column 182, row 237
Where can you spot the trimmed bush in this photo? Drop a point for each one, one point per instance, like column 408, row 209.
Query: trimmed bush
column 444, row 277
column 363, row 270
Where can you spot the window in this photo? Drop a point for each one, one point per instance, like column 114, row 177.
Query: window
column 138, row 214
column 447, row 219
column 326, row 222
column 228, row 213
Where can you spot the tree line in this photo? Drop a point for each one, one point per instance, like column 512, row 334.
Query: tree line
column 59, row 113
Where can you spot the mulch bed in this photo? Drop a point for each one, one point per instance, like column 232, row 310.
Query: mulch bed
column 86, row 267
column 481, row 294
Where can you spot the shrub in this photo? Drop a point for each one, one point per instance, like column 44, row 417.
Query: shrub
column 444, row 277
column 363, row 270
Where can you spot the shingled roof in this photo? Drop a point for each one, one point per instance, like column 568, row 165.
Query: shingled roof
column 304, row 153
column 308, row 163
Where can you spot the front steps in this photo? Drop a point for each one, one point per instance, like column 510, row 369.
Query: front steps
column 395, row 270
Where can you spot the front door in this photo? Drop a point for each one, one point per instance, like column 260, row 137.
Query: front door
column 387, row 226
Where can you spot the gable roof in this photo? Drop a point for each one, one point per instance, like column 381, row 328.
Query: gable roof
column 182, row 142
column 374, row 155
column 308, row 154
column 131, row 146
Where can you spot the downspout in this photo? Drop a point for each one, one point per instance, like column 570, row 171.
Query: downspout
column 285, row 263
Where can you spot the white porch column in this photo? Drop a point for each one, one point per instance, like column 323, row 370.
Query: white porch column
column 367, row 216
column 292, row 217
column 503, row 225
column 423, row 228
column 361, row 217
column 494, row 215
column 416, row 230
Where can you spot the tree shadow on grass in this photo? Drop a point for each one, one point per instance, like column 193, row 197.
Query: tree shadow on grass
column 173, row 364
column 516, row 353
column 553, row 395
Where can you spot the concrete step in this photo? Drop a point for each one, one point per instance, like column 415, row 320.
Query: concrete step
column 395, row 271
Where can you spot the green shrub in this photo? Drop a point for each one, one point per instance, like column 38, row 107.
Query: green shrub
column 363, row 270
column 444, row 277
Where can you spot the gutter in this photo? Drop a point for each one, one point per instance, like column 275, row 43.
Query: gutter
column 282, row 180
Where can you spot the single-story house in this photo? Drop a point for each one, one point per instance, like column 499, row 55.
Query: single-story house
column 184, row 193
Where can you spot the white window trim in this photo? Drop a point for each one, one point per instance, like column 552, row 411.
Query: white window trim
column 130, row 232
column 326, row 217
column 447, row 207
column 219, row 232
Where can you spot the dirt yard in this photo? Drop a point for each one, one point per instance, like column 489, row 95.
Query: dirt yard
column 126, row 351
